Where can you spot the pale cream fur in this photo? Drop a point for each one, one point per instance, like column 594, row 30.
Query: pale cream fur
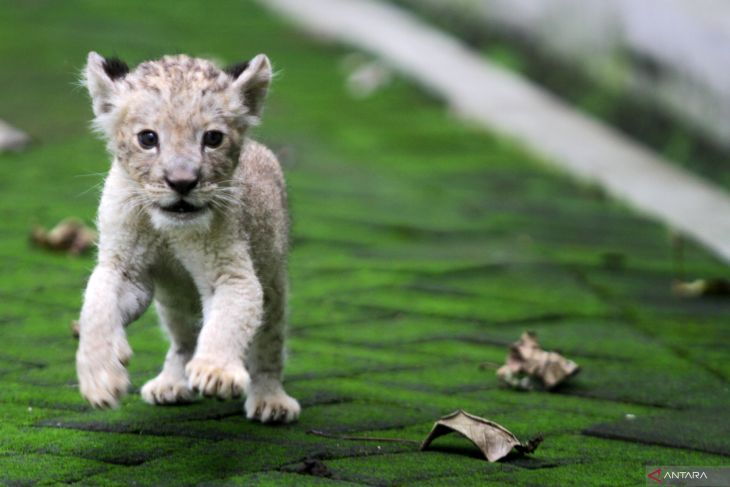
column 217, row 275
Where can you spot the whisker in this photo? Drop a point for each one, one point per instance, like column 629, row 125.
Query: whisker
column 96, row 186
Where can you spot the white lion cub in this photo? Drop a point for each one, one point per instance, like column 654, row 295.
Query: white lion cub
column 193, row 213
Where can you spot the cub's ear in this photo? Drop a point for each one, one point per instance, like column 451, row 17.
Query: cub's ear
column 252, row 80
column 100, row 76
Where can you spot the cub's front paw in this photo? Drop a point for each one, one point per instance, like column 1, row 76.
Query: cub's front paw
column 271, row 404
column 214, row 377
column 165, row 389
column 103, row 378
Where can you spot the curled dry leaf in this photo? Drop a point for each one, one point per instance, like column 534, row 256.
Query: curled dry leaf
column 530, row 367
column 494, row 440
column 70, row 235
column 701, row 287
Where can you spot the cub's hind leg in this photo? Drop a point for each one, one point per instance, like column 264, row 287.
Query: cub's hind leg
column 181, row 318
column 266, row 399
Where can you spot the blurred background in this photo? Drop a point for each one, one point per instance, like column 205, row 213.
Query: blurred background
column 423, row 245
column 658, row 70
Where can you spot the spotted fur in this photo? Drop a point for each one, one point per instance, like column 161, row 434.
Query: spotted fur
column 213, row 260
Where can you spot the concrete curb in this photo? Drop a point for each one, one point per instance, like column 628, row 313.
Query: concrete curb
column 501, row 101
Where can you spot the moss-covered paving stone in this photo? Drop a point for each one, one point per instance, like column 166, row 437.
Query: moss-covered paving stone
column 313, row 358
column 447, row 379
column 277, row 479
column 31, row 468
column 422, row 248
column 300, row 436
column 466, row 306
column 566, row 460
column 122, row 449
column 702, row 339
column 663, row 381
column 203, row 462
column 395, row 469
column 29, row 395
column 396, row 330
column 136, row 416
column 595, row 461
column 699, row 429
column 343, row 416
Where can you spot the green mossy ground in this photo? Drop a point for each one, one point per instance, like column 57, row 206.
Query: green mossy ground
column 421, row 248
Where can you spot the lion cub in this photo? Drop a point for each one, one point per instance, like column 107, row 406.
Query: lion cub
column 193, row 214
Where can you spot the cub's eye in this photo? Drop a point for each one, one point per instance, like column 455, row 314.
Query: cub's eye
column 148, row 139
column 212, row 138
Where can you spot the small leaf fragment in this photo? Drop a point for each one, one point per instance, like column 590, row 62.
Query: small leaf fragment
column 75, row 329
column 12, row 139
column 701, row 287
column 70, row 235
column 493, row 439
column 529, row 367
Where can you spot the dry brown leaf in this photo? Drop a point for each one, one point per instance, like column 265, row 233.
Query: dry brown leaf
column 75, row 329
column 701, row 287
column 494, row 440
column 70, row 235
column 530, row 367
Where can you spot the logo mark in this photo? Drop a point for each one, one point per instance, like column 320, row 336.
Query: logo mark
column 656, row 475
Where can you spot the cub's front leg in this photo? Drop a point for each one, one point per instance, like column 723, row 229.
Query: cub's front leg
column 266, row 399
column 114, row 297
column 232, row 311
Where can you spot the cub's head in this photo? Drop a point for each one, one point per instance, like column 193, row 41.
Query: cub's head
column 176, row 126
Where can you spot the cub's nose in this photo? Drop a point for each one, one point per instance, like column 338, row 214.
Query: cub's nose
column 183, row 182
